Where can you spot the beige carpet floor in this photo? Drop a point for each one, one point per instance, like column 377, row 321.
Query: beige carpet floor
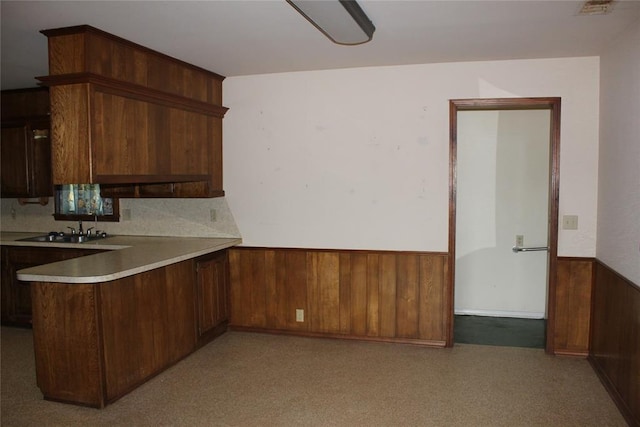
column 245, row 379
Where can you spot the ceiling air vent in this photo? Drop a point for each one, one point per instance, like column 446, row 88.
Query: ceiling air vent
column 596, row 7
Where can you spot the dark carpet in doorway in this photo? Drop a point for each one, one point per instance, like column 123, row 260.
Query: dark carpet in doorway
column 500, row 331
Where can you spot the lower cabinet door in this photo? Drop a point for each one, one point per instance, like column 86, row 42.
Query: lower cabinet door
column 212, row 293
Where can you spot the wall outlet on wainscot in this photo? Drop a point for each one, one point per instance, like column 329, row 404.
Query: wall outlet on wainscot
column 299, row 315
column 126, row 214
column 212, row 215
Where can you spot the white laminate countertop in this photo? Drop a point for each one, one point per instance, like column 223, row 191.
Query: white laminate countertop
column 125, row 256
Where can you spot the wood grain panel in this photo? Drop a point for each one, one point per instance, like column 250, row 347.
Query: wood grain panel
column 16, row 294
column 70, row 139
column 573, row 306
column 345, row 293
column 615, row 339
column 433, row 322
column 359, row 306
column 323, row 279
column 143, row 339
column 378, row 295
column 212, row 271
column 290, row 268
column 248, row 288
column 274, row 273
column 143, row 138
column 387, row 293
column 66, row 344
column 94, row 343
column 14, row 159
column 84, row 49
column 407, row 297
column 67, row 54
column 373, row 294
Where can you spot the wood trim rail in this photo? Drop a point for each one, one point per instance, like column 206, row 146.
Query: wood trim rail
column 137, row 92
column 147, row 179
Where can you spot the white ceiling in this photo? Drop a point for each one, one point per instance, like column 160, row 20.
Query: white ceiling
column 241, row 37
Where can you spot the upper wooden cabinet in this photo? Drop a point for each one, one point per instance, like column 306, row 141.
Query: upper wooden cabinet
column 123, row 114
column 25, row 145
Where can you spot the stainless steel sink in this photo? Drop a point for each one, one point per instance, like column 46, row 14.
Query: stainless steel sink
column 65, row 238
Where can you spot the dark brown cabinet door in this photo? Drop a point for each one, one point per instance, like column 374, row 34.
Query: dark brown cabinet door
column 25, row 145
column 40, row 156
column 212, row 291
column 15, row 170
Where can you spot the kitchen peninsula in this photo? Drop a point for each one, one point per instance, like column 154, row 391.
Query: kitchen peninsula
column 105, row 323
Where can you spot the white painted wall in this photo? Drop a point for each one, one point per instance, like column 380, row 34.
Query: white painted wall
column 358, row 158
column 619, row 181
column 502, row 191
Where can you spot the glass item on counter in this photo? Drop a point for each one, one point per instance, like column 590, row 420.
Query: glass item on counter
column 82, row 199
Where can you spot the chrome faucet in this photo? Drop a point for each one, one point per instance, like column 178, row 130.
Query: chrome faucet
column 80, row 230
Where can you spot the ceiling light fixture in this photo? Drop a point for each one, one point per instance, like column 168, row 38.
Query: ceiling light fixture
column 342, row 21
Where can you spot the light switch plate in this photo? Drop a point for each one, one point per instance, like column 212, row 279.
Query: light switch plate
column 570, row 222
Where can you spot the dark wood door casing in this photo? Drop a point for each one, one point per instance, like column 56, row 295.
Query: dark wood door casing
column 553, row 105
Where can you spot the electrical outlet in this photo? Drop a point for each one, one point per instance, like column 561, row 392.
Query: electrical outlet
column 299, row 315
column 126, row 214
column 212, row 214
column 519, row 240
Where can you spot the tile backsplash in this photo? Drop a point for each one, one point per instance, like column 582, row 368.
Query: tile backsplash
column 140, row 217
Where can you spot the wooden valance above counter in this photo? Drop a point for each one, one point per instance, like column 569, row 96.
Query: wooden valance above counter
column 125, row 115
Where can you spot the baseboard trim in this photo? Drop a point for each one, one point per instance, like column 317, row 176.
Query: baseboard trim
column 499, row 313
column 423, row 343
column 566, row 353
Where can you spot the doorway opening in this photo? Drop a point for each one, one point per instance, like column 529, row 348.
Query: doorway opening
column 480, row 232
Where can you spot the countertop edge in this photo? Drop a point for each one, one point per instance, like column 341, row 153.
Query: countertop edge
column 119, row 264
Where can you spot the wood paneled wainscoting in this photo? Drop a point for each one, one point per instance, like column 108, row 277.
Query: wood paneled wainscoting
column 615, row 339
column 574, row 286
column 368, row 295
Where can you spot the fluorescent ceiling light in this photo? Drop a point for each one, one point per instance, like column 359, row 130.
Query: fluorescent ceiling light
column 343, row 21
